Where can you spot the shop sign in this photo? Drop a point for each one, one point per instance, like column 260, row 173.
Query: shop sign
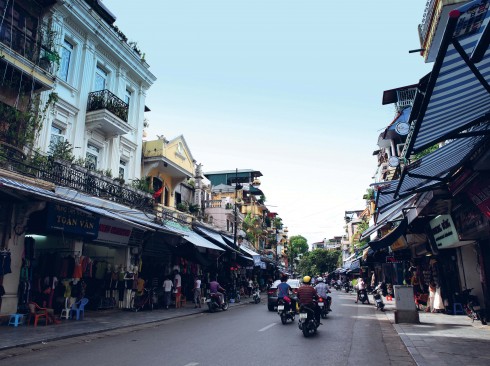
column 444, row 232
column 399, row 244
column 71, row 221
column 479, row 194
column 392, row 259
column 111, row 231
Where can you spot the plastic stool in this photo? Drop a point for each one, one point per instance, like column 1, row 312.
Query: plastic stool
column 458, row 309
column 16, row 319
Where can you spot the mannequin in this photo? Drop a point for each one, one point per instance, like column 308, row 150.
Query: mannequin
column 108, row 281
column 120, row 286
column 128, row 287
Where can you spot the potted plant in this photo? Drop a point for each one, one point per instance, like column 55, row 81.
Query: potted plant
column 62, row 152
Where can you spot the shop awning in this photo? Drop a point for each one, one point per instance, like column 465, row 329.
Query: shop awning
column 215, row 236
column 435, row 169
column 457, row 94
column 389, row 238
column 385, row 194
column 191, row 236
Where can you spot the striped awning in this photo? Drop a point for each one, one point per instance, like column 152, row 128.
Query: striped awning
column 457, row 94
column 438, row 167
column 384, row 192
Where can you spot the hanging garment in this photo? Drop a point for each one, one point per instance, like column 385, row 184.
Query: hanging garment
column 5, row 262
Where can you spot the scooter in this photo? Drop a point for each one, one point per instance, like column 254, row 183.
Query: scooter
column 307, row 322
column 324, row 305
column 336, row 286
column 285, row 309
column 377, row 292
column 472, row 306
column 347, row 287
column 213, row 302
column 256, row 295
column 362, row 296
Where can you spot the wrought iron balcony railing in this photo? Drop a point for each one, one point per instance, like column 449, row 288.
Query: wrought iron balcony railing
column 104, row 99
column 74, row 177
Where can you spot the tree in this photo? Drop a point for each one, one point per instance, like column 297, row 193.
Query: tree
column 299, row 245
column 319, row 261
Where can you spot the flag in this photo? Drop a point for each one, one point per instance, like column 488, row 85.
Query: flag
column 158, row 193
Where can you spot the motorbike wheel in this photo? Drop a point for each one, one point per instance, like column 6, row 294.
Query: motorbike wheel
column 306, row 332
column 270, row 307
column 225, row 306
column 284, row 319
column 211, row 308
column 257, row 300
column 324, row 315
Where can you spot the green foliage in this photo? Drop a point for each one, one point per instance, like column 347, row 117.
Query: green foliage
column 142, row 184
column 193, row 208
column 369, row 194
column 183, row 206
column 319, row 261
column 425, row 152
column 62, row 150
column 298, row 245
column 252, row 225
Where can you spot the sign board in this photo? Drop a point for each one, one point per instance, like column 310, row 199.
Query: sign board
column 71, row 221
column 111, row 231
column 444, row 231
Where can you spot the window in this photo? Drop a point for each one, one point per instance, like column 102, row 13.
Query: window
column 92, row 157
column 66, row 51
column 127, row 97
column 57, row 136
column 100, row 79
column 122, row 169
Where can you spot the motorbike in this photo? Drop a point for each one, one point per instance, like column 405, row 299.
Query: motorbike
column 307, row 322
column 471, row 306
column 377, row 292
column 336, row 286
column 214, row 303
column 347, row 287
column 256, row 295
column 324, row 305
column 362, row 296
column 285, row 310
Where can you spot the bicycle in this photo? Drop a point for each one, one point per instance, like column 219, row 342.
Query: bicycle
column 145, row 300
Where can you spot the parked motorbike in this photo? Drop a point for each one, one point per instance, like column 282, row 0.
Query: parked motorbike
column 256, row 295
column 307, row 322
column 347, row 287
column 214, row 303
column 377, row 292
column 285, row 310
column 362, row 296
column 472, row 306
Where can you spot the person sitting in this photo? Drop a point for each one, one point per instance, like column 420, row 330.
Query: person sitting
column 307, row 296
column 283, row 290
column 215, row 288
column 322, row 291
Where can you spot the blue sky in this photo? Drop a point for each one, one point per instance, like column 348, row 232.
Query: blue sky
column 290, row 88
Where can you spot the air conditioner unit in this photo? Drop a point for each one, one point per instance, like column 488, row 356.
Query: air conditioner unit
column 399, row 149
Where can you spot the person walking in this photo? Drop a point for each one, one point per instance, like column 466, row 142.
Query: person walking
column 177, row 288
column 197, row 292
column 167, row 291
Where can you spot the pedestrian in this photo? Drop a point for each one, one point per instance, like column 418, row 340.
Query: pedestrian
column 197, row 292
column 167, row 291
column 177, row 288
column 250, row 286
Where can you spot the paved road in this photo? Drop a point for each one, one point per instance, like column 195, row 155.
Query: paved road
column 249, row 335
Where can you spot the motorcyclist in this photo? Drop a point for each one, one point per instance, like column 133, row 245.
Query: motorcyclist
column 323, row 290
column 307, row 296
column 361, row 289
column 283, row 289
column 215, row 288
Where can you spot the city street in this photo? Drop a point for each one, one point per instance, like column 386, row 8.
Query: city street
column 244, row 335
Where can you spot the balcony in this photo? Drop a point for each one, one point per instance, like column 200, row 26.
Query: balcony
column 167, row 213
column 39, row 169
column 433, row 24
column 107, row 113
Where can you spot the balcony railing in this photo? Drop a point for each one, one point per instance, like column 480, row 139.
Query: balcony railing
column 104, row 99
column 74, row 177
column 426, row 20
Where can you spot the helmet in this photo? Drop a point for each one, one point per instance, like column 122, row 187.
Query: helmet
column 306, row 279
column 319, row 279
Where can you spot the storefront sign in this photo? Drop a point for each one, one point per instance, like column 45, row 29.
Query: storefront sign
column 391, row 259
column 111, row 231
column 444, row 232
column 71, row 221
column 479, row 194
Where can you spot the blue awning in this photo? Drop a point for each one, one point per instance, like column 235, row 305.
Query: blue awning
column 191, row 236
column 384, row 192
column 436, row 168
column 457, row 95
column 389, row 238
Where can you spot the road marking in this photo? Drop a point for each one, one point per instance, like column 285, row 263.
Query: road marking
column 192, row 364
column 265, row 328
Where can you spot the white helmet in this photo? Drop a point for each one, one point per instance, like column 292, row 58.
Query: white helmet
column 319, row 279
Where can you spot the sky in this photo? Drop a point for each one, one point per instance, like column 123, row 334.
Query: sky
column 292, row 89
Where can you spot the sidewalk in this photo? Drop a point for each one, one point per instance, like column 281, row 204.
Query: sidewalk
column 442, row 339
column 94, row 322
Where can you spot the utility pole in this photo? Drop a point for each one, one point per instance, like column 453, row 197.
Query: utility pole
column 236, row 214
